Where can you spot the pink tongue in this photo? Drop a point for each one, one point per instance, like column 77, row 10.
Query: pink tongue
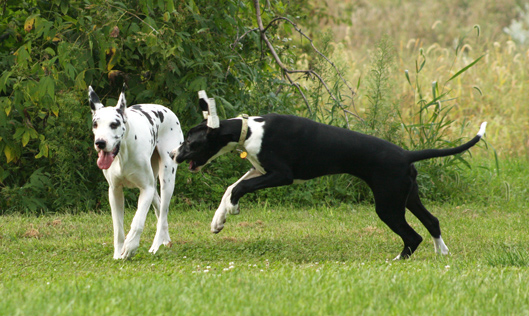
column 105, row 160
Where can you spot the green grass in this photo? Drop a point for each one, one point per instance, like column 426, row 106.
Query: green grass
column 270, row 260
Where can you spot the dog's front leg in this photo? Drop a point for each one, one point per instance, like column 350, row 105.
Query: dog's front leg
column 225, row 204
column 250, row 182
column 132, row 242
column 115, row 197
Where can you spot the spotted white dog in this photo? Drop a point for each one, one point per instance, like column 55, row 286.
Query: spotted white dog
column 133, row 146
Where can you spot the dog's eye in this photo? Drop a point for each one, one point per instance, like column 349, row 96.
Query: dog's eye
column 94, row 125
column 114, row 125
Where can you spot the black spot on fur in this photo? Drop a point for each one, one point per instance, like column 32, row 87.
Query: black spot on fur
column 173, row 171
column 115, row 124
column 135, row 136
column 259, row 119
column 140, row 109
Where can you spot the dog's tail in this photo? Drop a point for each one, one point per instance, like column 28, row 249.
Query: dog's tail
column 414, row 156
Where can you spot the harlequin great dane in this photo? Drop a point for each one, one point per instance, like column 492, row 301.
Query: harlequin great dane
column 285, row 149
column 133, row 146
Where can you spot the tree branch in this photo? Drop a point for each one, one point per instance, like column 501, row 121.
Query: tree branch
column 309, row 72
column 242, row 36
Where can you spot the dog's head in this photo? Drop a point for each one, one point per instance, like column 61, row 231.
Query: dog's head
column 206, row 141
column 108, row 125
column 202, row 145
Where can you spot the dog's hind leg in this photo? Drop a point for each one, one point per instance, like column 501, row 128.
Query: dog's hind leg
column 166, row 174
column 429, row 221
column 156, row 204
column 155, row 167
column 390, row 203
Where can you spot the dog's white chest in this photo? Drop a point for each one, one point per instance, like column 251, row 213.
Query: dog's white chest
column 254, row 142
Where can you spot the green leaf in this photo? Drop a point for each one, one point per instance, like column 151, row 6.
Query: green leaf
column 25, row 138
column 434, row 89
column 4, row 81
column 23, row 57
column 50, row 51
column 200, row 83
column 5, row 102
column 19, row 131
column 43, row 150
column 9, row 152
column 70, row 71
column 419, row 68
column 406, row 73
column 478, row 29
column 466, row 68
column 47, row 86
column 64, row 7
column 170, row 5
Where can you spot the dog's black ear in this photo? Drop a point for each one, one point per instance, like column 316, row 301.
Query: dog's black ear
column 203, row 103
column 93, row 100
column 122, row 102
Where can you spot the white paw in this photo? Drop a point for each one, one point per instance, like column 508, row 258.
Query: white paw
column 217, row 224
column 117, row 251
column 440, row 247
column 160, row 239
column 130, row 247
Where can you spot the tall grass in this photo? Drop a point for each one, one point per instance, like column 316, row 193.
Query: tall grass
column 492, row 90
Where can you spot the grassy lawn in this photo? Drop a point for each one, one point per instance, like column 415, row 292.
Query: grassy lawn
column 275, row 260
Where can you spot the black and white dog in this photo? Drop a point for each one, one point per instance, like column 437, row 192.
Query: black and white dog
column 133, row 145
column 285, row 149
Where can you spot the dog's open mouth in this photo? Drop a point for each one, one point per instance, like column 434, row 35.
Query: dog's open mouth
column 106, row 158
column 193, row 166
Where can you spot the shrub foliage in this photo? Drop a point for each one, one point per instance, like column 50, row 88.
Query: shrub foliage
column 166, row 50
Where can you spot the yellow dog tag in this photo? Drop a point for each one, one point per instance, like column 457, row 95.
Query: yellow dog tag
column 244, row 154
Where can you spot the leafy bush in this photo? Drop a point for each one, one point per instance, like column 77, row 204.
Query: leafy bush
column 166, row 51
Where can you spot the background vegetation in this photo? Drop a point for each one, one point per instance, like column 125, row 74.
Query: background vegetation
column 420, row 81
column 304, row 249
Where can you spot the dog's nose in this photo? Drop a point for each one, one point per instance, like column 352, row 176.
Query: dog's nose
column 173, row 153
column 101, row 143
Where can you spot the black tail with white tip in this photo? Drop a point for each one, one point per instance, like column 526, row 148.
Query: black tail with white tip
column 419, row 155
